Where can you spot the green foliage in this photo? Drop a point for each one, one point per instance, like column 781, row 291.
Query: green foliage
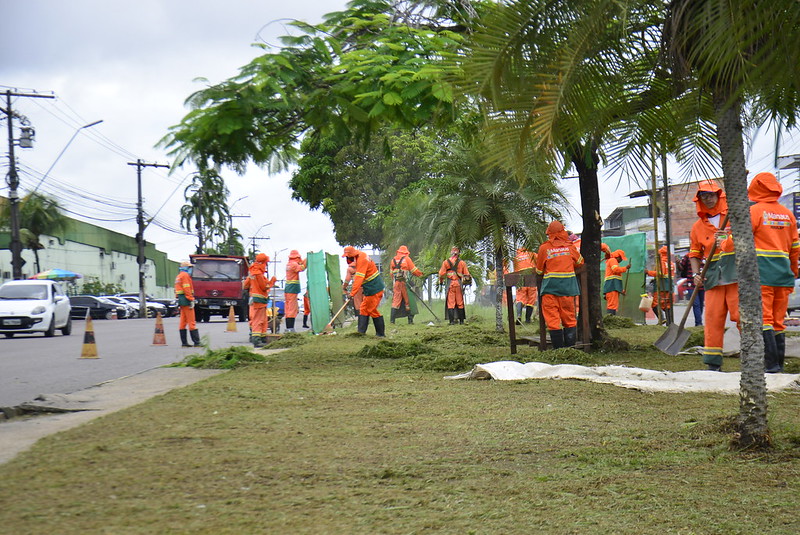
column 386, row 349
column 618, row 322
column 206, row 208
column 93, row 286
column 223, row 359
column 289, row 340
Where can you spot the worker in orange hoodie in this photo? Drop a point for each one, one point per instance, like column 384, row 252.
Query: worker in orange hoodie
column 348, row 279
column 291, row 290
column 402, row 267
column 526, row 297
column 184, row 293
column 306, row 309
column 455, row 270
column 720, row 283
column 612, row 284
column 664, row 276
column 777, row 250
column 368, row 279
column 556, row 263
column 258, row 286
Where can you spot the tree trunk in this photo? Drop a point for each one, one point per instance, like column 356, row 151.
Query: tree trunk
column 752, row 424
column 500, row 289
column 590, row 237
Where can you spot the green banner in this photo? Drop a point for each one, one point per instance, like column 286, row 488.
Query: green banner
column 332, row 266
column 633, row 280
column 318, row 291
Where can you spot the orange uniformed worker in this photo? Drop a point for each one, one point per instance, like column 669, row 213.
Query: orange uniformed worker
column 306, row 309
column 456, row 271
column 525, row 260
column 184, row 293
column 777, row 250
column 556, row 263
column 348, row 279
column 663, row 275
column 721, row 285
column 612, row 284
column 367, row 278
column 402, row 267
column 258, row 286
column 291, row 289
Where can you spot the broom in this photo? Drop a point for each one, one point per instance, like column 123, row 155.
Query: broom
column 329, row 326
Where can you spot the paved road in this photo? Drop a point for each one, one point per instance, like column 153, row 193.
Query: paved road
column 33, row 365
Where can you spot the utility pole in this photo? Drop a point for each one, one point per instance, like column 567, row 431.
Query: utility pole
column 253, row 242
column 13, row 184
column 140, row 235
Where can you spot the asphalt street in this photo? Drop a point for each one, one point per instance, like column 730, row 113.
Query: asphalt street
column 31, row 365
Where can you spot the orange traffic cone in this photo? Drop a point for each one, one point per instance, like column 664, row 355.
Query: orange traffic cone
column 158, row 337
column 89, row 350
column 114, row 314
column 231, row 321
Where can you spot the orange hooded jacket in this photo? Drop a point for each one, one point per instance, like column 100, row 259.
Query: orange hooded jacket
column 775, row 232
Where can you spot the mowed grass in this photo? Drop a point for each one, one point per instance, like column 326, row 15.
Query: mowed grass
column 318, row 439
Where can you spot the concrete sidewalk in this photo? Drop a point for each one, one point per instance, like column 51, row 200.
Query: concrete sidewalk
column 66, row 411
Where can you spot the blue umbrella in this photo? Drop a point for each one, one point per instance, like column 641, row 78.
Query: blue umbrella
column 57, row 275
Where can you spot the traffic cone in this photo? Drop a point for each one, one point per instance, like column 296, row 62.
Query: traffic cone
column 158, row 337
column 231, row 321
column 89, row 350
column 114, row 313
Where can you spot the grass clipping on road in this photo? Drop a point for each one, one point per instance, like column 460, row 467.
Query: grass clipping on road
column 347, row 435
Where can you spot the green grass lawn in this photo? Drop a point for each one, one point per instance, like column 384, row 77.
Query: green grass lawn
column 339, row 435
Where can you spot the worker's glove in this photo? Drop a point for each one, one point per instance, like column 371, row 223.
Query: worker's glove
column 191, row 304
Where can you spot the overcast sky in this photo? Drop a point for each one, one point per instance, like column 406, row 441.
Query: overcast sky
column 132, row 65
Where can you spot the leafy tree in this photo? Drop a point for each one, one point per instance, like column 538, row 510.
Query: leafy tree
column 357, row 187
column 38, row 215
column 206, row 206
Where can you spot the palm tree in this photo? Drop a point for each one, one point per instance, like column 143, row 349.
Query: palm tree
column 206, row 206
column 39, row 214
column 478, row 206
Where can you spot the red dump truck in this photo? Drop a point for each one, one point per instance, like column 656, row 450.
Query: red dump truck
column 217, row 283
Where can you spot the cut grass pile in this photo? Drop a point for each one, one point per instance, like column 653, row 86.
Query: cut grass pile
column 222, row 359
column 325, row 440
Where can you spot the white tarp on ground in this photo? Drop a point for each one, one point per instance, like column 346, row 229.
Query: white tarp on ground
column 635, row 378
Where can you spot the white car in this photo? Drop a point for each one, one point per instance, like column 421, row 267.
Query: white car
column 152, row 306
column 34, row 306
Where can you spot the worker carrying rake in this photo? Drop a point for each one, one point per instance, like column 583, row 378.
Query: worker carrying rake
column 369, row 279
column 720, row 283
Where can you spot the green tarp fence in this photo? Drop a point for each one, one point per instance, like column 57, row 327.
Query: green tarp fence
column 332, row 263
column 635, row 247
column 317, row 285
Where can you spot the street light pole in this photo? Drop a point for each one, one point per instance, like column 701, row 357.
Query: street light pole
column 77, row 131
column 13, row 183
column 230, row 223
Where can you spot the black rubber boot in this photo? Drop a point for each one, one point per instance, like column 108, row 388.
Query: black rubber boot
column 184, row 340
column 195, row 337
column 363, row 322
column 392, row 315
column 780, row 342
column 259, row 341
column 771, row 364
column 462, row 315
column 611, row 312
column 528, row 313
column 380, row 326
column 410, row 318
column 451, row 315
column 290, row 325
column 570, row 336
column 557, row 338
column 305, row 321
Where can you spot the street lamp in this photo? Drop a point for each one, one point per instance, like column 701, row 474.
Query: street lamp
column 255, row 237
column 60, row 154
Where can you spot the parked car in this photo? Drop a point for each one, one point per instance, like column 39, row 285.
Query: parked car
column 152, row 307
column 34, row 306
column 170, row 304
column 98, row 308
column 130, row 310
